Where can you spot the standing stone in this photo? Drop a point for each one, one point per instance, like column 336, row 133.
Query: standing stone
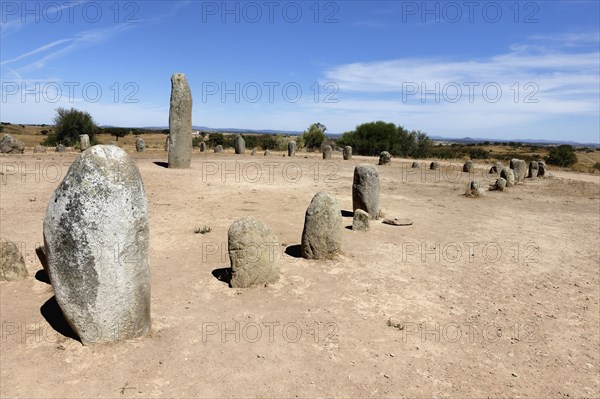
column 541, row 168
column 219, row 148
column 322, row 234
column 384, row 158
column 496, row 168
column 291, row 148
column 499, row 185
column 434, row 165
column 347, row 154
column 140, row 144
column 533, row 169
column 267, row 153
column 239, row 144
column 12, row 264
column 416, row 165
column 508, row 175
column 84, row 142
column 10, row 145
column 96, row 240
column 474, row 189
column 253, row 152
column 468, row 167
column 365, row 190
column 39, row 149
column 327, row 152
column 519, row 166
column 180, row 123
column 60, row 148
column 253, row 252
column 202, row 146
column 360, row 222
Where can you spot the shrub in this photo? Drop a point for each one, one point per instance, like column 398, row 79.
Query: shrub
column 314, row 136
column 563, row 155
column 69, row 124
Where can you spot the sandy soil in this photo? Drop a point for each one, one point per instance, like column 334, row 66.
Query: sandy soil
column 489, row 297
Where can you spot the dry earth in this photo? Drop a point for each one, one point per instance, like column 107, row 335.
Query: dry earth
column 489, row 297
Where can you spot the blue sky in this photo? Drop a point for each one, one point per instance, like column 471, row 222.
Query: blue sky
column 500, row 69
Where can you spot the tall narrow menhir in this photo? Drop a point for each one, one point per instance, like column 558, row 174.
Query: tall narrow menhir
column 180, row 123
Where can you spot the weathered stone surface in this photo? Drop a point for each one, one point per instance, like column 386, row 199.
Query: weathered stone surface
column 327, row 152
column 499, row 185
column 347, row 153
column 60, row 148
column 219, row 148
column 384, row 158
column 495, row 169
column 239, row 145
column 365, row 190
column 474, row 190
column 434, row 165
column 533, row 169
column 267, row 153
column 520, row 169
column 12, row 264
column 253, row 151
column 84, row 142
column 96, row 240
column 180, row 123
column 360, row 221
column 468, row 167
column 541, row 168
column 140, row 144
column 322, row 234
column 10, row 145
column 416, row 165
column 291, row 148
column 39, row 149
column 509, row 175
column 167, row 143
column 202, row 146
column 253, row 252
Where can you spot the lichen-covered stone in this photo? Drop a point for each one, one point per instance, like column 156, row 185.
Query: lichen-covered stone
column 180, row 123
column 322, row 234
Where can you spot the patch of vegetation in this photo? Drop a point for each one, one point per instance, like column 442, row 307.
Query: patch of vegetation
column 70, row 123
column 596, row 166
column 398, row 326
column 314, row 136
column 202, row 230
column 562, row 155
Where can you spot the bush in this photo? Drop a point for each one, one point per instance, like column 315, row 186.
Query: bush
column 314, row 136
column 69, row 124
column 50, row 140
column 596, row 166
column 563, row 155
column 478, row 153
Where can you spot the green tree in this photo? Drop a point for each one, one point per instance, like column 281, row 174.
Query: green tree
column 563, row 155
column 314, row 136
column 70, row 123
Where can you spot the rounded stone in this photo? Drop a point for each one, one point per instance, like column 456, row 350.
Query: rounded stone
column 60, row 148
column 253, row 152
column 202, row 146
column 416, row 165
column 500, row 184
column 360, row 221
column 347, row 153
column 84, row 142
column 384, row 158
column 239, row 144
column 96, row 240
column 10, row 145
column 533, row 169
column 219, row 148
column 509, row 175
column 327, row 152
column 267, row 153
column 434, row 165
column 520, row 169
column 541, row 168
column 322, row 234
column 39, row 149
column 365, row 190
column 140, row 144
column 12, row 264
column 468, row 167
column 291, row 148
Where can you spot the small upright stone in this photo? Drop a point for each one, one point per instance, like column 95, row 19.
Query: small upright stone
column 327, row 152
column 496, row 168
column 180, row 123
column 12, row 264
column 96, row 240
column 291, row 148
column 202, row 146
column 239, row 145
column 468, row 167
column 365, row 190
column 60, row 148
column 499, row 185
column 509, row 175
column 267, row 153
column 10, row 145
column 520, row 168
column 384, row 158
column 322, row 234
column 474, row 190
column 253, row 152
column 533, row 169
column 140, row 144
column 434, row 165
column 219, row 148
column 360, row 221
column 39, row 149
column 84, row 142
column 541, row 168
column 253, row 253
column 416, row 165
column 347, row 154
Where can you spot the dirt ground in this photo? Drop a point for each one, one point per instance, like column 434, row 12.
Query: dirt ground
column 490, row 297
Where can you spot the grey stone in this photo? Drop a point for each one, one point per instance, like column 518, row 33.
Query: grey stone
column 496, row 168
column 434, row 165
column 541, row 168
column 291, row 148
column 416, row 165
column 202, row 146
column 60, row 148
column 533, row 169
column 509, row 175
column 520, row 168
column 239, row 144
column 253, row 253
column 360, row 221
column 167, row 144
column 267, row 153
column 253, row 151
column 474, row 189
column 84, row 142
column 10, row 145
column 468, row 167
column 499, row 185
column 140, row 144
column 219, row 148
column 327, row 152
column 347, row 153
column 365, row 190
column 180, row 123
column 12, row 264
column 39, row 149
column 96, row 240
column 322, row 234
column 384, row 158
